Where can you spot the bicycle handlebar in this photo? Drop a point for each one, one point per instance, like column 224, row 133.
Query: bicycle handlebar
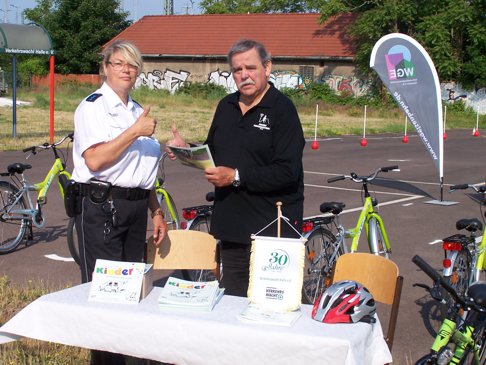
column 359, row 179
column 477, row 189
column 437, row 278
column 46, row 145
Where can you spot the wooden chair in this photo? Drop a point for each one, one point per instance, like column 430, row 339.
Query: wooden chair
column 184, row 250
column 380, row 276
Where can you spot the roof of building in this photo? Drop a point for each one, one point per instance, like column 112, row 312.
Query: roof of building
column 284, row 35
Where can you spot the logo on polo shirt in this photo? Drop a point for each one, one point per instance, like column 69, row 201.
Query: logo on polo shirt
column 263, row 122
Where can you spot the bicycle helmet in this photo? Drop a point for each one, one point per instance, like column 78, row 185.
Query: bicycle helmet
column 345, row 302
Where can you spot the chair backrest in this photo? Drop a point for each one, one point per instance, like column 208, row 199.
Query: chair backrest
column 379, row 275
column 184, row 250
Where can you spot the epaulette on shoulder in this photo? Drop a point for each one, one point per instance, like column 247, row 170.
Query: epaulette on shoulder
column 93, row 97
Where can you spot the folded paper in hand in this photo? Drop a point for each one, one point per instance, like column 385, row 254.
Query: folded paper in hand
column 199, row 157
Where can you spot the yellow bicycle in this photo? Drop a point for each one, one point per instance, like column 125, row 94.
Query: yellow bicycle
column 18, row 213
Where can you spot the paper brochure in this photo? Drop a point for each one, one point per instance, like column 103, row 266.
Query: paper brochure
column 117, row 281
column 199, row 157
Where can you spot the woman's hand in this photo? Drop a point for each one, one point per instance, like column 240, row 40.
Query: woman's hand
column 160, row 229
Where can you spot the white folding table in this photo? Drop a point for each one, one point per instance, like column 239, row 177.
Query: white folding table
column 175, row 336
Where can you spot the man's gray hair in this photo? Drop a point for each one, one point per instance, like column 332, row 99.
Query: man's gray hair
column 247, row 44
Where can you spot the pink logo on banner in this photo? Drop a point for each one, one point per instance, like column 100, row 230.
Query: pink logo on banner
column 398, row 63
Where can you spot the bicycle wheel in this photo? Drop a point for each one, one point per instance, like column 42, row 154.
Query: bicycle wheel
column 72, row 241
column 201, row 224
column 12, row 231
column 459, row 279
column 319, row 262
column 375, row 238
column 164, row 201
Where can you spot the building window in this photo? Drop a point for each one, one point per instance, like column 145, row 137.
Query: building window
column 307, row 74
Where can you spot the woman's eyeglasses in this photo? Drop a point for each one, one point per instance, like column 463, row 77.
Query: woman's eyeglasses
column 118, row 66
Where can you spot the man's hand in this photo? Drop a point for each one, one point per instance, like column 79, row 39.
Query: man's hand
column 176, row 141
column 220, row 176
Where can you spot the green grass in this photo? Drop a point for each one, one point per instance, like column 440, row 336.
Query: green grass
column 29, row 351
column 193, row 116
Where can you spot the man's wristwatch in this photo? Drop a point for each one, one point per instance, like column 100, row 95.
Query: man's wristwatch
column 236, row 181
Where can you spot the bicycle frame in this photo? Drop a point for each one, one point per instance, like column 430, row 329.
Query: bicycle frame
column 477, row 250
column 454, row 329
column 43, row 187
column 368, row 212
column 163, row 195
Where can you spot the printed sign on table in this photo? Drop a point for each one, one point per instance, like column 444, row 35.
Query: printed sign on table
column 276, row 272
column 117, row 281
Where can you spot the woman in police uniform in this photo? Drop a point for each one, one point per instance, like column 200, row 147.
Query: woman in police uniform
column 114, row 143
column 115, row 164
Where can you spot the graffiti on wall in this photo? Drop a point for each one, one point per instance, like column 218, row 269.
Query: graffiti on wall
column 450, row 92
column 222, row 78
column 347, row 84
column 168, row 80
column 287, row 79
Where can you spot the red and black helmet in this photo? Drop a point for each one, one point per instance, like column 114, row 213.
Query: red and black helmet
column 345, row 302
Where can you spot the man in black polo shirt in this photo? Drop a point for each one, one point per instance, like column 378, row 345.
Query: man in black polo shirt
column 256, row 140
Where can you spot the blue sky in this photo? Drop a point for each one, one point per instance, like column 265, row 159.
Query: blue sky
column 136, row 8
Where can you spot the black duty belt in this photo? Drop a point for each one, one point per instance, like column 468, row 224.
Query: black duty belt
column 117, row 192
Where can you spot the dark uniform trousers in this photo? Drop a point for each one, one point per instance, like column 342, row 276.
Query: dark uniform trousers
column 111, row 231
column 119, row 238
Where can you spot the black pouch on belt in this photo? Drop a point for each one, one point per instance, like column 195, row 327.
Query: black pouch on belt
column 72, row 198
column 99, row 191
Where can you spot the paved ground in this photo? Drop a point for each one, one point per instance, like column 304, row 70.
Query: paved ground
column 413, row 226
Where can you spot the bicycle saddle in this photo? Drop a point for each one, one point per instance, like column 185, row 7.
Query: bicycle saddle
column 470, row 225
column 333, row 207
column 17, row 168
column 477, row 291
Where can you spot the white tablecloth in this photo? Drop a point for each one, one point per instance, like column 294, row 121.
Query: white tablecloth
column 183, row 337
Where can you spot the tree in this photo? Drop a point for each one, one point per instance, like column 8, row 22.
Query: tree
column 78, row 29
column 452, row 32
column 256, row 6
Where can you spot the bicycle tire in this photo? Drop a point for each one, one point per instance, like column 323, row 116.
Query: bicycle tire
column 171, row 220
column 375, row 234
column 459, row 279
column 318, row 265
column 200, row 224
column 72, row 241
column 12, row 232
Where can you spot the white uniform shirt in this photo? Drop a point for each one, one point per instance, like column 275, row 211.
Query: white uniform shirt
column 103, row 118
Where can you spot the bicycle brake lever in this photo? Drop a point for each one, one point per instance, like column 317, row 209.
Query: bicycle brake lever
column 424, row 286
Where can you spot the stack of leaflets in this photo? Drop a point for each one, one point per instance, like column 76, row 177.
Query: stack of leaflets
column 254, row 313
column 191, row 295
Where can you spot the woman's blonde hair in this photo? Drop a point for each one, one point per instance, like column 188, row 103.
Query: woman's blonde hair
column 128, row 50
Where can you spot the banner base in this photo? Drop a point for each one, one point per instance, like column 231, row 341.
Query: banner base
column 441, row 202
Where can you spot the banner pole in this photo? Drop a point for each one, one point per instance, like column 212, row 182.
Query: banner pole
column 279, row 215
